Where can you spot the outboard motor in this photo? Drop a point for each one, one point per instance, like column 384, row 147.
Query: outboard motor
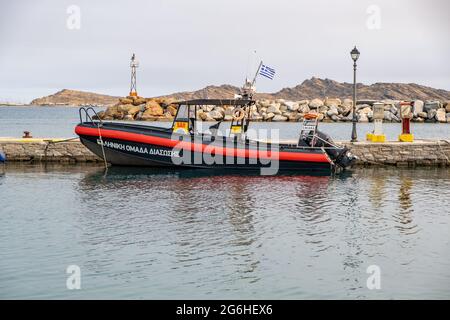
column 340, row 155
column 345, row 158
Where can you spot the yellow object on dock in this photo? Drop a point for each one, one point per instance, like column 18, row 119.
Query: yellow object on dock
column 375, row 137
column 406, row 137
column 236, row 129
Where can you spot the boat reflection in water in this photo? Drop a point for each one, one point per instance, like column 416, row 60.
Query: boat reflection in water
column 201, row 215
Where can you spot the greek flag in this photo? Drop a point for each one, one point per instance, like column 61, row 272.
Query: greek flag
column 267, row 72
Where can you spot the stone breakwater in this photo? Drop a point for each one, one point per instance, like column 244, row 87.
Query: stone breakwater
column 328, row 110
column 418, row 153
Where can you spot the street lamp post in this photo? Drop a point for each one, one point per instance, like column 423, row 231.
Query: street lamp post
column 355, row 55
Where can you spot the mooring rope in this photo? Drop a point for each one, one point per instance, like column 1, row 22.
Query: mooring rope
column 103, row 148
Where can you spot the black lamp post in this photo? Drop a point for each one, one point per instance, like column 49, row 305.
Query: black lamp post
column 355, row 55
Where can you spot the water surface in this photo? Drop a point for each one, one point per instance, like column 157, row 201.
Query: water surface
column 158, row 234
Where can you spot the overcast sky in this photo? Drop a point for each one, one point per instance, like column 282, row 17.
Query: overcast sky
column 186, row 45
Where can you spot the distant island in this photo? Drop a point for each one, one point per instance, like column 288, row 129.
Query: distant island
column 75, row 98
column 308, row 89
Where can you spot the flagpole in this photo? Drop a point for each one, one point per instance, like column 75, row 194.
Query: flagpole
column 256, row 74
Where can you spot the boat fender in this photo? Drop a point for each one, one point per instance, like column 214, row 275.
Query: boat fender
column 2, row 157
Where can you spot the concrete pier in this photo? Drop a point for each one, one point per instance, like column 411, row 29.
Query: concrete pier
column 411, row 154
column 46, row 150
column 402, row 154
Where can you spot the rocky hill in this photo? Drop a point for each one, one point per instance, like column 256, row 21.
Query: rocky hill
column 322, row 88
column 209, row 92
column 224, row 91
column 74, row 97
column 308, row 89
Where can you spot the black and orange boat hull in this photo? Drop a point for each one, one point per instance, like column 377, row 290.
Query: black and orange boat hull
column 141, row 145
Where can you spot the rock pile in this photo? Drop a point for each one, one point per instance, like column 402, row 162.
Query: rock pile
column 138, row 108
column 328, row 110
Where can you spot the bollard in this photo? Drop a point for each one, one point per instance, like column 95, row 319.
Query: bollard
column 378, row 115
column 406, row 115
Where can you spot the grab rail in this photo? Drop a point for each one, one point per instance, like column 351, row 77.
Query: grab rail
column 329, row 143
column 98, row 122
column 87, row 116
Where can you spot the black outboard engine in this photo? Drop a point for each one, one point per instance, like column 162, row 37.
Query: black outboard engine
column 340, row 155
column 345, row 158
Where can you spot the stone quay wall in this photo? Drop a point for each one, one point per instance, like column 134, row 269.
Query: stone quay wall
column 410, row 154
column 418, row 153
column 43, row 151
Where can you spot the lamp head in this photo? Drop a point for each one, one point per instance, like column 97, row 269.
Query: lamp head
column 354, row 54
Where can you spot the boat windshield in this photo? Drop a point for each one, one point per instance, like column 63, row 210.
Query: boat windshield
column 183, row 113
column 184, row 121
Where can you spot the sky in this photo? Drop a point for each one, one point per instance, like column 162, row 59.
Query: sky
column 181, row 45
